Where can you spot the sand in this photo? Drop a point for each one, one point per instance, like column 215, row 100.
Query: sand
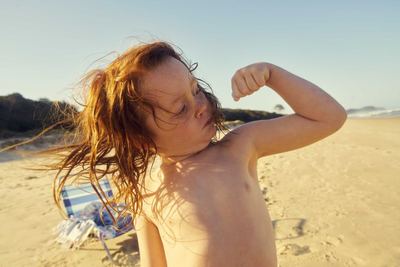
column 333, row 203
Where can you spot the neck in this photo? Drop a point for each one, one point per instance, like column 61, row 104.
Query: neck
column 169, row 160
column 172, row 160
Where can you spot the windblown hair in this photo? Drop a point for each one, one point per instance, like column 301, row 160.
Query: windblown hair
column 109, row 136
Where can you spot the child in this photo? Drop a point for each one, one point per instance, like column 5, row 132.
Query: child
column 206, row 208
column 203, row 205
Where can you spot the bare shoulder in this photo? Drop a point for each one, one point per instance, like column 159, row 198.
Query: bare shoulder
column 266, row 137
column 150, row 245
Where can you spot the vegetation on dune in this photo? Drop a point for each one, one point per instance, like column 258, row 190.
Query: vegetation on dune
column 24, row 117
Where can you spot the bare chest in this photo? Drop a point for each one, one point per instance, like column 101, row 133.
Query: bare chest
column 207, row 201
column 211, row 211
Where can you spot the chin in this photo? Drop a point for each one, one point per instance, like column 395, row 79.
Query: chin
column 208, row 133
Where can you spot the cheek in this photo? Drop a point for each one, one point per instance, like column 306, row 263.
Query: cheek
column 187, row 130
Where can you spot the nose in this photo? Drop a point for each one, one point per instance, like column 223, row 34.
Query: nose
column 201, row 106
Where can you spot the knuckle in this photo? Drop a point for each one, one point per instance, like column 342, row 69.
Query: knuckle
column 241, row 71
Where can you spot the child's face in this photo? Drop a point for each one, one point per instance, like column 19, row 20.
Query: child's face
column 184, row 130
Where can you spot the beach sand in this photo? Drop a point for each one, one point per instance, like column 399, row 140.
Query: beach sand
column 333, row 203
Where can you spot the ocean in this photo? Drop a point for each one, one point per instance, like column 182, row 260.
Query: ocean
column 377, row 113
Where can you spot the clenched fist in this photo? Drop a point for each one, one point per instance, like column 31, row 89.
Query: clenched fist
column 249, row 79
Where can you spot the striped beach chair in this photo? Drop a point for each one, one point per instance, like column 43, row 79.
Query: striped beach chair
column 77, row 197
column 88, row 218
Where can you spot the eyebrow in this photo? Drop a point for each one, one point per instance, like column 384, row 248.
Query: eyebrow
column 193, row 81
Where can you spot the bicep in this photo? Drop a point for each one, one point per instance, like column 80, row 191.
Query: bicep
column 268, row 137
column 150, row 245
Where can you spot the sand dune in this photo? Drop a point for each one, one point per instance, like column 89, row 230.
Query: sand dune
column 333, row 203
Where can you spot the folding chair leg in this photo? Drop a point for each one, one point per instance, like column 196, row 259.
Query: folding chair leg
column 105, row 247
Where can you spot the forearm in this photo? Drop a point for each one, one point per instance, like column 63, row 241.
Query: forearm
column 304, row 97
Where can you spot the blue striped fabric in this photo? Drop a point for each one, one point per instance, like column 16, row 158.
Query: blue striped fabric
column 83, row 203
column 76, row 197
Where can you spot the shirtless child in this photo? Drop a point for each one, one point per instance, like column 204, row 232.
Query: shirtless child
column 202, row 205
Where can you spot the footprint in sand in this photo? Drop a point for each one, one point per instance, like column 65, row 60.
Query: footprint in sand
column 331, row 257
column 294, row 249
column 333, row 240
column 31, row 177
column 288, row 228
column 18, row 185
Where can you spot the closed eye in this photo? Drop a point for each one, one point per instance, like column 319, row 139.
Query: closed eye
column 184, row 107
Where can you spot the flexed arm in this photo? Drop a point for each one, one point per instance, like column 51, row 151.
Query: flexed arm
column 317, row 114
column 304, row 97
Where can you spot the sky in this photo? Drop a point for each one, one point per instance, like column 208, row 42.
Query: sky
column 348, row 48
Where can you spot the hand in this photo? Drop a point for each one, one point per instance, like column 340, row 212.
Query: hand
column 249, row 79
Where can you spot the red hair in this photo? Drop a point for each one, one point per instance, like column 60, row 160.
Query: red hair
column 109, row 137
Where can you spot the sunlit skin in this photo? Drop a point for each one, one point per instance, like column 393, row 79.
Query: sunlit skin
column 211, row 211
column 203, row 206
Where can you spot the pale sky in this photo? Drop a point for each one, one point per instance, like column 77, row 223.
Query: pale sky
column 348, row 48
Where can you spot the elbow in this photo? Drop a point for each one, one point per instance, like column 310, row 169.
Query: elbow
column 336, row 119
column 339, row 119
column 342, row 117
